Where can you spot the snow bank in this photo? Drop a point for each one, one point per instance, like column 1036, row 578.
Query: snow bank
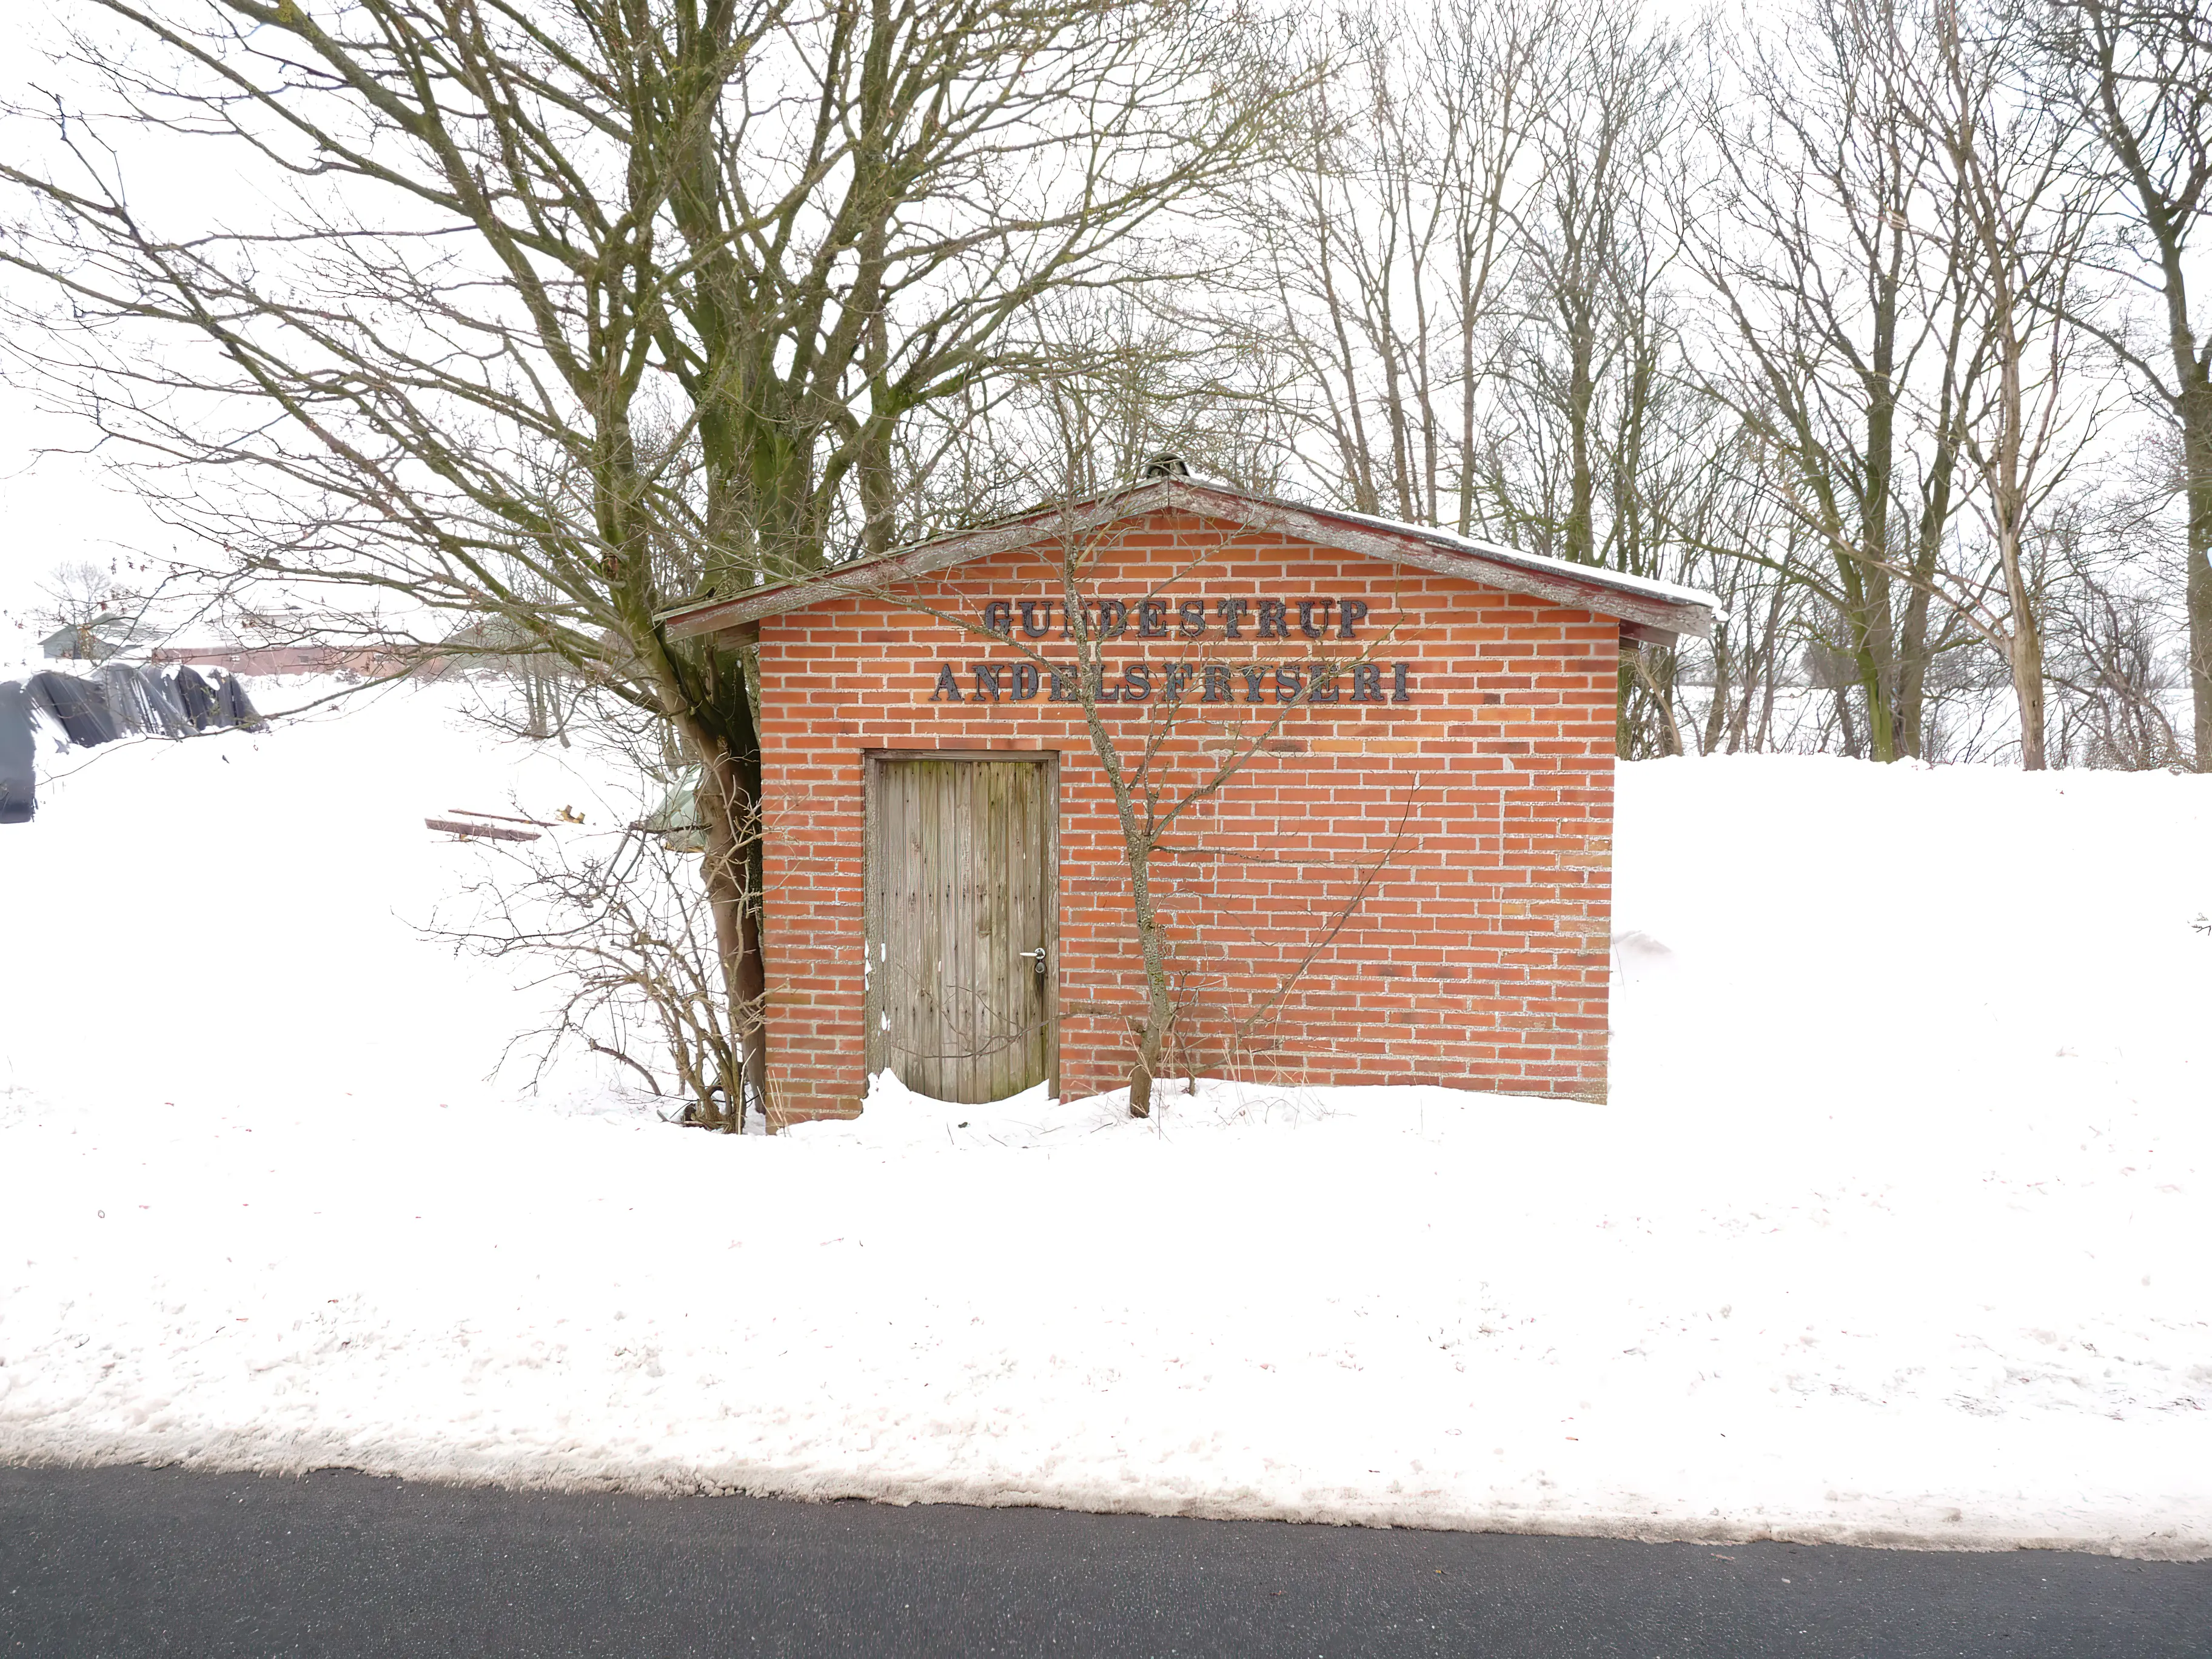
column 1894, row 1231
column 236, row 917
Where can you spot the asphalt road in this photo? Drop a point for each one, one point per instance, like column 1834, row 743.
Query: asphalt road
column 129, row 1561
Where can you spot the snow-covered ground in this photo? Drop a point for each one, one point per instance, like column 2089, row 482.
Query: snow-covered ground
column 1895, row 1230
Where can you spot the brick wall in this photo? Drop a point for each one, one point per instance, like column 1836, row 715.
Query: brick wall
column 1391, row 892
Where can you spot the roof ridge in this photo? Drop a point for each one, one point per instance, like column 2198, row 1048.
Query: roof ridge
column 1658, row 606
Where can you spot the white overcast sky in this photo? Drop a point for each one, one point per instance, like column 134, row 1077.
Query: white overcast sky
column 53, row 508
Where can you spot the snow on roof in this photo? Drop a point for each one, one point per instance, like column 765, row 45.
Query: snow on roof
column 1659, row 608
column 1673, row 592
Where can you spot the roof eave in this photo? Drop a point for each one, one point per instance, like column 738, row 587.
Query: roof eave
column 1650, row 614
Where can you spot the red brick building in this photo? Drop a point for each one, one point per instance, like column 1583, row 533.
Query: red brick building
column 1388, row 752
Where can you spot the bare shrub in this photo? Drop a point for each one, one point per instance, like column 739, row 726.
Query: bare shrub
column 619, row 922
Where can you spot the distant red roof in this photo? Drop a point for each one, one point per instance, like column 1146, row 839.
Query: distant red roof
column 280, row 659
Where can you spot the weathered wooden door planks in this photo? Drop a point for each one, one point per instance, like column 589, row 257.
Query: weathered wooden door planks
column 962, row 889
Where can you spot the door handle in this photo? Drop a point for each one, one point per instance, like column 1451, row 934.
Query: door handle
column 1038, row 962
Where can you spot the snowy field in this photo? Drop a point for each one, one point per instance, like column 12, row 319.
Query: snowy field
column 1896, row 1229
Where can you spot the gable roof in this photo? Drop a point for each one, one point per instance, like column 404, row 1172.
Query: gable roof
column 96, row 640
column 1651, row 611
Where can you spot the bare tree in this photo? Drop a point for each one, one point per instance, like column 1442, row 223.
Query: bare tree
column 1586, row 361
column 1386, row 241
column 619, row 926
column 1156, row 789
column 1133, row 377
column 2109, row 638
column 2138, row 74
column 563, row 313
column 1808, row 241
column 2016, row 407
column 1469, row 272
column 103, row 606
column 1602, row 442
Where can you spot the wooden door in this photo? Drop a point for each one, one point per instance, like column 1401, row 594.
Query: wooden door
column 963, row 895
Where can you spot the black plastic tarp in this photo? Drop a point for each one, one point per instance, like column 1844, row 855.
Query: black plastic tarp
column 80, row 705
column 198, row 697
column 128, row 704
column 161, row 693
column 219, row 691
column 18, row 747
column 242, row 711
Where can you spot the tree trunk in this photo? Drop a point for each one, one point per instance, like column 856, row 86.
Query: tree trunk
column 727, row 800
column 1912, row 653
column 1718, row 710
column 1871, row 659
column 2196, row 455
column 1159, row 1001
column 1582, row 390
column 2024, row 640
column 709, row 700
column 2024, row 652
column 1876, row 624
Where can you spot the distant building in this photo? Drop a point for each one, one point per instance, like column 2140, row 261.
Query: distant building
column 93, row 641
column 280, row 658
